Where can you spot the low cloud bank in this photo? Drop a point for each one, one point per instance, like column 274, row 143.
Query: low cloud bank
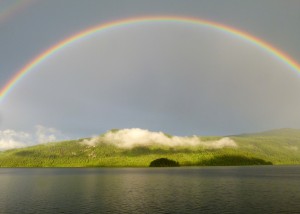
column 11, row 139
column 125, row 138
column 129, row 138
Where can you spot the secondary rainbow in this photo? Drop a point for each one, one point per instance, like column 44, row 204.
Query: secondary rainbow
column 13, row 8
column 242, row 35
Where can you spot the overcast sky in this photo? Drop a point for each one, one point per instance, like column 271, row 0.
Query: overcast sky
column 178, row 78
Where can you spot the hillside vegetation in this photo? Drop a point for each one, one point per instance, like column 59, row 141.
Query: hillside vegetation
column 272, row 147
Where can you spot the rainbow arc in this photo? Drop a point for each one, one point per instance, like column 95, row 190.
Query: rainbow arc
column 280, row 55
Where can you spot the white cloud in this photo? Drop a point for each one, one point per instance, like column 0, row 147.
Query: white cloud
column 11, row 139
column 125, row 138
column 91, row 142
column 45, row 135
column 128, row 138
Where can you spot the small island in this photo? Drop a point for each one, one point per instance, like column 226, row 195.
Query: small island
column 164, row 162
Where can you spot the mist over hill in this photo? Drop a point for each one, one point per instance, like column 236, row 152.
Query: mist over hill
column 138, row 148
column 129, row 138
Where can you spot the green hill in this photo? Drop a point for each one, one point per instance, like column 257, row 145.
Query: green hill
column 272, row 147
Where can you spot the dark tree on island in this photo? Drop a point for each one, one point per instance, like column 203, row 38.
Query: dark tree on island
column 164, row 162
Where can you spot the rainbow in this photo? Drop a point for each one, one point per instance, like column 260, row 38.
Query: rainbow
column 281, row 56
column 14, row 7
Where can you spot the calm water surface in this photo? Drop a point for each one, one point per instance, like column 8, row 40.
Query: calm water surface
column 264, row 189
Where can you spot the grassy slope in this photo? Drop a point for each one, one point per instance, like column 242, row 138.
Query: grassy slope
column 278, row 147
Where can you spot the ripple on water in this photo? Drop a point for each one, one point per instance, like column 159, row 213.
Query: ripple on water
column 268, row 189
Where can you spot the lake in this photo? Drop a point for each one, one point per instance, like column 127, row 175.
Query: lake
column 247, row 189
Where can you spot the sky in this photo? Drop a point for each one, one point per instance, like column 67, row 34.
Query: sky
column 178, row 78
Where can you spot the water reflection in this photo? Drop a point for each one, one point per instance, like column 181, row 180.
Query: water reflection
column 266, row 189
